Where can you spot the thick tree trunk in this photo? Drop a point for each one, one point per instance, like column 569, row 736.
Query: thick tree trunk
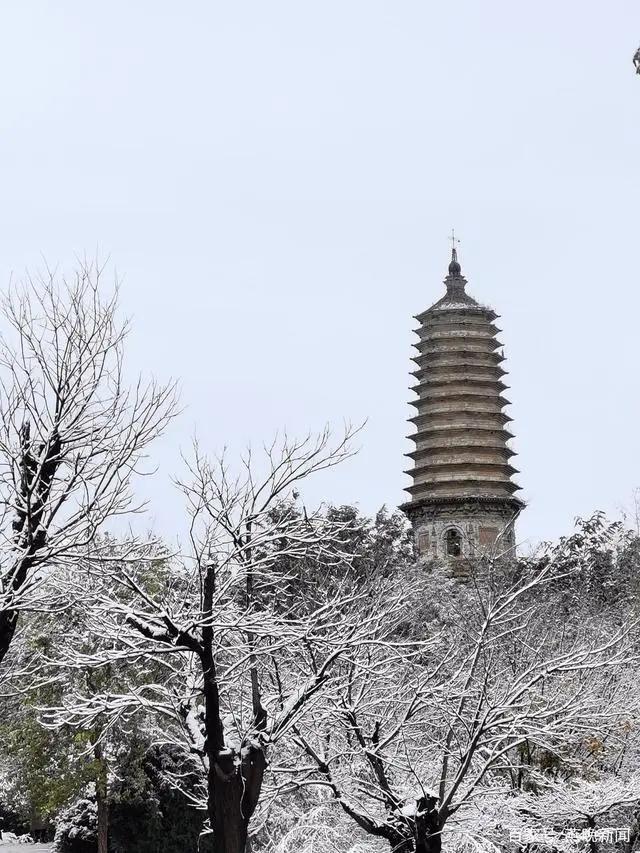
column 228, row 822
column 425, row 844
column 234, row 790
column 429, row 825
column 429, row 844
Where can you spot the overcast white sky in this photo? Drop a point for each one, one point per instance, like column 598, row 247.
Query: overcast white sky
column 275, row 182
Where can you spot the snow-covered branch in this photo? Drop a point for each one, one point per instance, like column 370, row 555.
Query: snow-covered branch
column 72, row 433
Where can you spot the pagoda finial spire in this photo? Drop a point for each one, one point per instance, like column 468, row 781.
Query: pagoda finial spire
column 454, row 267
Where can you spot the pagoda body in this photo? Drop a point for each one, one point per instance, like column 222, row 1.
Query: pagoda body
column 462, row 498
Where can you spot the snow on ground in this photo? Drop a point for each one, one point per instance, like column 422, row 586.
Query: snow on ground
column 12, row 847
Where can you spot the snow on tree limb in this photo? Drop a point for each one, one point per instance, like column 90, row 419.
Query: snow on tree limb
column 243, row 662
column 72, row 433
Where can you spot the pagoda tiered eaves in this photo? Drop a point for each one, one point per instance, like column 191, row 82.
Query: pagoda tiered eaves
column 461, row 449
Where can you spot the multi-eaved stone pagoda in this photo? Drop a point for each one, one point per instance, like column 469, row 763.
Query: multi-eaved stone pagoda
column 462, row 498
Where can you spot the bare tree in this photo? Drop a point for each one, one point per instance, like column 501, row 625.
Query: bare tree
column 564, row 812
column 242, row 663
column 408, row 747
column 72, row 433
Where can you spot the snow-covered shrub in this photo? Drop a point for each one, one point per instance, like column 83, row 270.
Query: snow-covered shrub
column 76, row 828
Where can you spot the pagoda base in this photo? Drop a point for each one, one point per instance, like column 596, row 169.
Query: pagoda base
column 463, row 527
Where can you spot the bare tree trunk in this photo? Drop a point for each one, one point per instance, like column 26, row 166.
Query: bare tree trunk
column 428, row 832
column 229, row 824
column 430, row 844
column 233, row 795
column 234, row 782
